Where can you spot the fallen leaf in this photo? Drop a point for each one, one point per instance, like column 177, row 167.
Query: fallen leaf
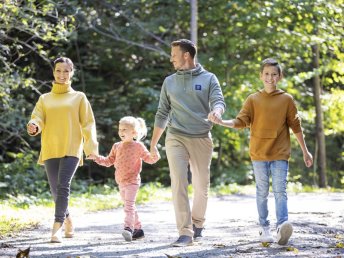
column 23, row 253
column 338, row 236
column 340, row 245
column 266, row 244
column 219, row 245
column 292, row 249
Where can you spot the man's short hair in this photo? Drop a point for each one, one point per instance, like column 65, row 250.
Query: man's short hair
column 186, row 46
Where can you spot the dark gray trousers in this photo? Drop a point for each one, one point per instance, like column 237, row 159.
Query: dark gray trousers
column 60, row 172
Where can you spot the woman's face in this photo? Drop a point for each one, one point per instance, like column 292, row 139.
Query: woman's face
column 63, row 73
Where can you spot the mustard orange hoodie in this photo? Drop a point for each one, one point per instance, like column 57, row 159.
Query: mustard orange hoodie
column 269, row 116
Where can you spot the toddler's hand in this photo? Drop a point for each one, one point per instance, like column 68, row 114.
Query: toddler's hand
column 92, row 157
column 154, row 152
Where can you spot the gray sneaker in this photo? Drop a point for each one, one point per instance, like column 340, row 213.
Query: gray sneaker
column 183, row 241
column 197, row 233
column 284, row 232
column 127, row 233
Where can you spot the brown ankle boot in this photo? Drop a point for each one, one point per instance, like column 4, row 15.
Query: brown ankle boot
column 56, row 235
column 69, row 228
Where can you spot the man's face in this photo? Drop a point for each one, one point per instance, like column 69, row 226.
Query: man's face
column 178, row 58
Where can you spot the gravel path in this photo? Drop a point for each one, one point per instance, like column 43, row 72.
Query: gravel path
column 231, row 231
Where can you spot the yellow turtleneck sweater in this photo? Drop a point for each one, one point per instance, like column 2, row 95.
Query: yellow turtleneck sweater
column 65, row 118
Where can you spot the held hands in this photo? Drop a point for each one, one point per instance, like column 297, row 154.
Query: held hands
column 92, row 157
column 215, row 116
column 154, row 152
column 32, row 129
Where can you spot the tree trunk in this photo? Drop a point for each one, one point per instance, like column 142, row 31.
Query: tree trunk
column 193, row 23
column 320, row 136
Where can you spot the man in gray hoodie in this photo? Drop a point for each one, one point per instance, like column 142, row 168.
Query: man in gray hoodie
column 189, row 100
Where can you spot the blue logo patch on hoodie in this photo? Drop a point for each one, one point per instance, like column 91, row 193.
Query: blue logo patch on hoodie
column 198, row 87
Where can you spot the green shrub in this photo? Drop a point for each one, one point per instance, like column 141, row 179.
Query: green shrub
column 22, row 176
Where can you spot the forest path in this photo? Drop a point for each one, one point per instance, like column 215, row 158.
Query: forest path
column 231, row 231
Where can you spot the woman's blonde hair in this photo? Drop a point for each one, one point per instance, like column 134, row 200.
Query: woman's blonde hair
column 138, row 124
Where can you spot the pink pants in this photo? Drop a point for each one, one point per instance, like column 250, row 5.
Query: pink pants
column 128, row 195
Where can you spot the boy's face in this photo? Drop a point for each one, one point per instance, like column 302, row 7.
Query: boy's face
column 126, row 132
column 270, row 77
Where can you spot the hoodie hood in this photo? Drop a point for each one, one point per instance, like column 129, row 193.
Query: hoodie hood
column 274, row 93
column 193, row 72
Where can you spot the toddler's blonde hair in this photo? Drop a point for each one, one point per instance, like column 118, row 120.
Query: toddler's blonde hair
column 138, row 124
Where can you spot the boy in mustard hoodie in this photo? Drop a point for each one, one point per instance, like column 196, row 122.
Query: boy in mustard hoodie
column 269, row 113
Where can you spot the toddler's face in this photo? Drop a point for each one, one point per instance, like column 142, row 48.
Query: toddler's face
column 270, row 77
column 126, row 132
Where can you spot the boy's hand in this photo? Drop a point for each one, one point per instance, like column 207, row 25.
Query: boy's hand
column 215, row 116
column 308, row 158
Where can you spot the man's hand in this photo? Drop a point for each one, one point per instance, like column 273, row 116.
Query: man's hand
column 215, row 116
column 154, row 152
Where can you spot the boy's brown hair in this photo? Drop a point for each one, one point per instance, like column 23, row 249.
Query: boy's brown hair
column 271, row 62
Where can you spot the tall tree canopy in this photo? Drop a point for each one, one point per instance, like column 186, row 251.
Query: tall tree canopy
column 121, row 51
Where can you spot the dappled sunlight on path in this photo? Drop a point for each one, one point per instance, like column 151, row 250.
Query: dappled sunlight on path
column 231, row 231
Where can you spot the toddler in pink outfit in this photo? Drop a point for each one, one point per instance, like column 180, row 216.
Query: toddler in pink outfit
column 126, row 156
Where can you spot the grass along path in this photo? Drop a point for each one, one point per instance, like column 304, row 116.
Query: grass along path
column 22, row 213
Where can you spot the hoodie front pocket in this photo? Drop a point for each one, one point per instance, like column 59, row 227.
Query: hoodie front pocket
column 264, row 134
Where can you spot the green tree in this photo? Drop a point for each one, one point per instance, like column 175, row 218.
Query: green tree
column 28, row 30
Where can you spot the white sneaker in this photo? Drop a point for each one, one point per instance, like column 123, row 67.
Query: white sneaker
column 265, row 235
column 284, row 232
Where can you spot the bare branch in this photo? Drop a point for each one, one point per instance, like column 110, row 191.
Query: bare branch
column 133, row 43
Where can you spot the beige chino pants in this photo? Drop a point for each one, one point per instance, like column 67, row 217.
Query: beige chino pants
column 181, row 151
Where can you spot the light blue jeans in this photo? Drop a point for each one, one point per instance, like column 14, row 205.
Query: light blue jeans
column 278, row 169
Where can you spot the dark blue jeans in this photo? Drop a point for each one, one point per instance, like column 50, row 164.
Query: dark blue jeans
column 60, row 172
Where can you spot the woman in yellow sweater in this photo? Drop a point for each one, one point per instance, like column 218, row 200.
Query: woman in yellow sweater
column 65, row 119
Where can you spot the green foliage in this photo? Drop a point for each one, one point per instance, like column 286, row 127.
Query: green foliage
column 227, row 189
column 333, row 109
column 152, row 192
column 22, row 177
column 28, row 32
column 121, row 52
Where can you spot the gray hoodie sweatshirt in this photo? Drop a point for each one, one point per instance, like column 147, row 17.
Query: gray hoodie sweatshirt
column 186, row 99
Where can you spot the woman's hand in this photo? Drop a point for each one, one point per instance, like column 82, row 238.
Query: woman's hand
column 32, row 129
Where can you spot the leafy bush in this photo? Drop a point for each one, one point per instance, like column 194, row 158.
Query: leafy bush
column 22, row 176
